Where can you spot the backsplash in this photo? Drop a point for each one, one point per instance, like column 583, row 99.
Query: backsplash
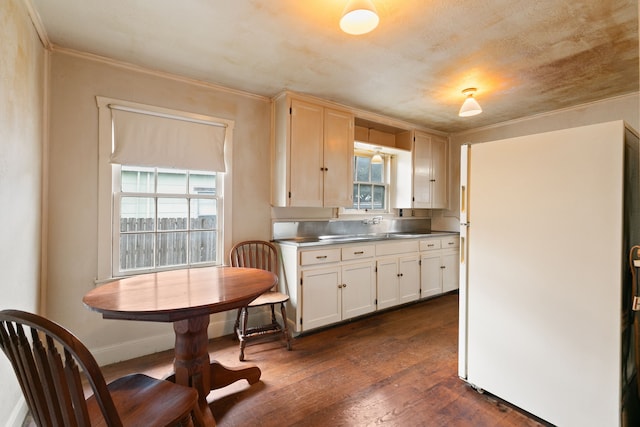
column 291, row 229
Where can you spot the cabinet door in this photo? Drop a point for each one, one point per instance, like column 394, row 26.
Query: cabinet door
column 358, row 290
column 306, row 165
column 387, row 278
column 451, row 271
column 321, row 304
column 422, row 170
column 409, row 284
column 431, row 274
column 338, row 158
column 438, row 173
column 402, row 181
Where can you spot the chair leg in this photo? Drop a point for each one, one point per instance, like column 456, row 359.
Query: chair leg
column 285, row 328
column 243, row 331
column 197, row 419
column 236, row 326
column 273, row 315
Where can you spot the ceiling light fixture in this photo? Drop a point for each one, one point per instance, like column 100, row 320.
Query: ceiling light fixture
column 359, row 17
column 470, row 107
column 377, row 158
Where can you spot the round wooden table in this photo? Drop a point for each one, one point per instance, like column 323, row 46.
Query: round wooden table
column 186, row 298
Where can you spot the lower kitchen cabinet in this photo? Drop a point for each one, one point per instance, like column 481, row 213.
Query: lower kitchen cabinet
column 330, row 284
column 439, row 265
column 321, row 297
column 358, row 289
column 398, row 280
column 450, row 270
column 333, row 294
column 431, row 274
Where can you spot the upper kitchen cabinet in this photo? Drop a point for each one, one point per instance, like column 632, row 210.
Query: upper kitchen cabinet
column 312, row 154
column 428, row 173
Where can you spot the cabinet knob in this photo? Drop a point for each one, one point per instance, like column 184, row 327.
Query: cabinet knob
column 344, row 285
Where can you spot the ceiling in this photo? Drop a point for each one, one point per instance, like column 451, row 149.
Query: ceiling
column 525, row 57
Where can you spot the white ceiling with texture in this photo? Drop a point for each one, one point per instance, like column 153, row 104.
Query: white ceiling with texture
column 525, row 57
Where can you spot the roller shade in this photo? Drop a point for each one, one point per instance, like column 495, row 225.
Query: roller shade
column 148, row 139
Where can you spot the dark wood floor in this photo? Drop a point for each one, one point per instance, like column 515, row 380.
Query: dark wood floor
column 397, row 368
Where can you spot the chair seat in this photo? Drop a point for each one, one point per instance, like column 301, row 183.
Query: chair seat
column 270, row 297
column 145, row 401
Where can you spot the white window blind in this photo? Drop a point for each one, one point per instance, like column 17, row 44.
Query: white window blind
column 143, row 138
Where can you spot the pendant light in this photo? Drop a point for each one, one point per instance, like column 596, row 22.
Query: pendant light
column 359, row 17
column 377, row 158
column 470, row 107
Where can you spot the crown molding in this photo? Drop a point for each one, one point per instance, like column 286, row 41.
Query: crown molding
column 37, row 24
column 166, row 75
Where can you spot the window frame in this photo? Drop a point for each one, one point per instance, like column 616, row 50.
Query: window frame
column 386, row 183
column 109, row 180
column 118, row 195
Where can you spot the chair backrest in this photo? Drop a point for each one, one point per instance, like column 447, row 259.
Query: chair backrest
column 49, row 362
column 255, row 254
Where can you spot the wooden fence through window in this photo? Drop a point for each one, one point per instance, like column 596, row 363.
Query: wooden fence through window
column 176, row 245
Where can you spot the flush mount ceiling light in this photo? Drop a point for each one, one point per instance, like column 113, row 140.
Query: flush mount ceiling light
column 470, row 107
column 359, row 17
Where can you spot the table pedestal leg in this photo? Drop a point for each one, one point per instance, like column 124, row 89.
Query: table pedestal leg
column 221, row 376
column 193, row 367
column 192, row 360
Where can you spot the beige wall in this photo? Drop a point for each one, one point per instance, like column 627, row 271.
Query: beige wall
column 22, row 62
column 619, row 108
column 76, row 80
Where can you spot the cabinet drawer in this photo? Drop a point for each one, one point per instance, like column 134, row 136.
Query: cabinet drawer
column 430, row 245
column 320, row 256
column 450, row 242
column 397, row 247
column 357, row 252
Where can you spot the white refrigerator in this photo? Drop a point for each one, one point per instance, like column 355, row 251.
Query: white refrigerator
column 546, row 224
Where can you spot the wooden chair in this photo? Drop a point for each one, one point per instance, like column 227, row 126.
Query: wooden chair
column 263, row 255
column 51, row 363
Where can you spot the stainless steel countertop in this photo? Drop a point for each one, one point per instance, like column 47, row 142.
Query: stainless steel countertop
column 360, row 238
